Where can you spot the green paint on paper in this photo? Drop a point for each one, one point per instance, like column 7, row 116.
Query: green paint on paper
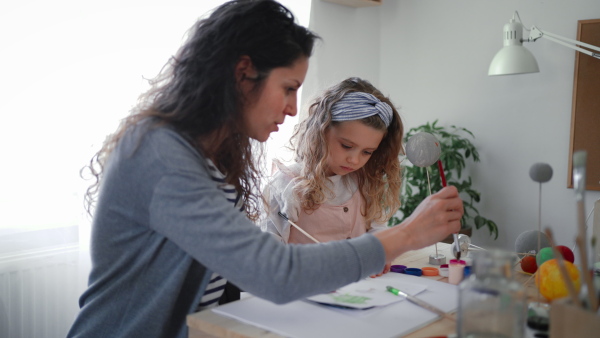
column 351, row 299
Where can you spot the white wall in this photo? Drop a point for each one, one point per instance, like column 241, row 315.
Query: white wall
column 349, row 46
column 432, row 61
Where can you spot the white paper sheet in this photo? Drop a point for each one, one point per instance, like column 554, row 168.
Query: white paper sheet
column 306, row 319
column 366, row 294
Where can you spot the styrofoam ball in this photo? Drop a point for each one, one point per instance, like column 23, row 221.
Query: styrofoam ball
column 550, row 281
column 529, row 264
column 528, row 242
column 566, row 253
column 423, row 149
column 544, row 255
column 540, row 172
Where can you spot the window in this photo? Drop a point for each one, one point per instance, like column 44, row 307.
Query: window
column 71, row 71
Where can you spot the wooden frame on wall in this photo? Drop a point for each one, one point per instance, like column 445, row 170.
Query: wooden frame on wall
column 585, row 113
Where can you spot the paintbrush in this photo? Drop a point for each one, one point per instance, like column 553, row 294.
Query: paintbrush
column 579, row 164
column 297, row 227
column 420, row 302
column 444, row 184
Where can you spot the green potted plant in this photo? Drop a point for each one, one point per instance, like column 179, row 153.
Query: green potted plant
column 456, row 148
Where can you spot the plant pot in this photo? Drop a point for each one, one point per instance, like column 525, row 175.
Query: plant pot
column 465, row 231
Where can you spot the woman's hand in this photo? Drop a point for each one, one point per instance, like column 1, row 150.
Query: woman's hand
column 433, row 220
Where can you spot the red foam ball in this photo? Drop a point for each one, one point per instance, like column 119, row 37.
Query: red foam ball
column 528, row 264
column 566, row 253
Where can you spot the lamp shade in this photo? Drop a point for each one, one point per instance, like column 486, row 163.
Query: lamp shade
column 513, row 58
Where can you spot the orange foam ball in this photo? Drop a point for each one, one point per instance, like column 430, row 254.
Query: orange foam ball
column 550, row 282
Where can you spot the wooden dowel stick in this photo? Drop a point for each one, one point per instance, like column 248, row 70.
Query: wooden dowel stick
column 444, row 184
column 529, row 279
column 519, row 261
column 586, row 274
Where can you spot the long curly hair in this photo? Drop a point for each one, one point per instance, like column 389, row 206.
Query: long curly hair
column 379, row 180
column 196, row 92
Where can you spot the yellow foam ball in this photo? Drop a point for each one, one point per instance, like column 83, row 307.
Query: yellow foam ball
column 550, row 282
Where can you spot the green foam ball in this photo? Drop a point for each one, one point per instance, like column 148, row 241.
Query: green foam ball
column 544, row 255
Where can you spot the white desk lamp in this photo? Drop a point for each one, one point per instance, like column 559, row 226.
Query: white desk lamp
column 513, row 58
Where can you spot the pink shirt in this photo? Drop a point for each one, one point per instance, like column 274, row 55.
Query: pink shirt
column 331, row 222
column 339, row 217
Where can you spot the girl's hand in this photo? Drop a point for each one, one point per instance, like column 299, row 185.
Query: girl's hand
column 386, row 269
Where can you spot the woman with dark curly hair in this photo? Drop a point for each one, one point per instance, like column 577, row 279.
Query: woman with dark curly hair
column 176, row 187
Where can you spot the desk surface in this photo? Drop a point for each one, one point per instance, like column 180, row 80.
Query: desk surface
column 209, row 324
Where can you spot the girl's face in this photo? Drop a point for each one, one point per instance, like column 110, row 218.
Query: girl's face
column 266, row 110
column 351, row 144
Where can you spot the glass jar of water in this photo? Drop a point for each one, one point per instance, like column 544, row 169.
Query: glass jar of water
column 491, row 303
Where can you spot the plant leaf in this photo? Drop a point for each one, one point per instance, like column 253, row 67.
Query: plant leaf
column 456, row 148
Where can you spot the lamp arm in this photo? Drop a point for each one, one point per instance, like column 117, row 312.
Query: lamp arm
column 536, row 33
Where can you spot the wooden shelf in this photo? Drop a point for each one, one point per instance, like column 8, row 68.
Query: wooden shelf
column 356, row 3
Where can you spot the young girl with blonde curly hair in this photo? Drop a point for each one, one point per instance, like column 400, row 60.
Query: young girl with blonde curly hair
column 346, row 179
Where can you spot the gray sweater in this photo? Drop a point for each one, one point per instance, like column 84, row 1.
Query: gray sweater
column 162, row 226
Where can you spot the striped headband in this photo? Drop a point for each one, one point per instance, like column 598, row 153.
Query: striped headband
column 358, row 105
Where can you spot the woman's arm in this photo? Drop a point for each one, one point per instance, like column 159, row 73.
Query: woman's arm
column 188, row 208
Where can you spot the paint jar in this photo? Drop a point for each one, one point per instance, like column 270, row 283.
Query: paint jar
column 455, row 271
column 490, row 302
column 444, row 270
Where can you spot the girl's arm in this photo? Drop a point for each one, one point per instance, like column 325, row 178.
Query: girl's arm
column 279, row 194
column 273, row 223
column 375, row 227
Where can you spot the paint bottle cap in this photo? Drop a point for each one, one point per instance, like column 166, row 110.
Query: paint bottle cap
column 413, row 271
column 430, row 271
column 398, row 268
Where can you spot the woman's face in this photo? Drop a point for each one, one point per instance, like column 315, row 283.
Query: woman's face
column 351, row 144
column 267, row 108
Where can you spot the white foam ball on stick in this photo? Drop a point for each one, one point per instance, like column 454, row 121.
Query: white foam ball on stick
column 528, row 241
column 423, row 149
column 540, row 172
